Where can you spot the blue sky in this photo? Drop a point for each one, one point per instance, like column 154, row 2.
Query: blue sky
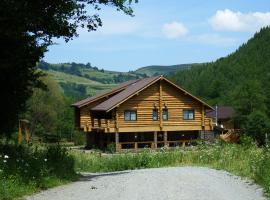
column 165, row 33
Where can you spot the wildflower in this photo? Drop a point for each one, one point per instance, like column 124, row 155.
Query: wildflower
column 45, row 159
column 6, row 156
column 0, row 156
column 4, row 161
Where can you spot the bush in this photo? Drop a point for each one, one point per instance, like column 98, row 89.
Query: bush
column 79, row 138
column 24, row 170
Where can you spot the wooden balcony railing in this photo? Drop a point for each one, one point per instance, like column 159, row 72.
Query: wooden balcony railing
column 151, row 144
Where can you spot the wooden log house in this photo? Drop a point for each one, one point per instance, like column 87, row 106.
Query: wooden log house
column 151, row 112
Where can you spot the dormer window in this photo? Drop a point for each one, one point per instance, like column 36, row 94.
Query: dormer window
column 155, row 114
column 165, row 116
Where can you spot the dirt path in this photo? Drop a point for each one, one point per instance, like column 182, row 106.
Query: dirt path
column 181, row 183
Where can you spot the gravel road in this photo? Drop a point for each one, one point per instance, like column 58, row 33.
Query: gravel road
column 181, row 183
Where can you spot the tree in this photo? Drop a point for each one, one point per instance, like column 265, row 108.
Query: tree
column 45, row 108
column 27, row 29
column 257, row 126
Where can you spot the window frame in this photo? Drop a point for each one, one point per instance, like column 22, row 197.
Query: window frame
column 188, row 110
column 167, row 114
column 155, row 110
column 130, row 113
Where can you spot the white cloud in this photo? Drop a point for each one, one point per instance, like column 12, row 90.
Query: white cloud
column 174, row 30
column 227, row 20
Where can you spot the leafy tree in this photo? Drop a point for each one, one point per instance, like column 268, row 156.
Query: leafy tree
column 45, row 108
column 27, row 29
column 257, row 126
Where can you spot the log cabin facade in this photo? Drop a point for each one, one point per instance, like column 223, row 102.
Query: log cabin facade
column 151, row 112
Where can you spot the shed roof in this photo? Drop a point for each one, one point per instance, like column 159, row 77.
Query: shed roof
column 223, row 112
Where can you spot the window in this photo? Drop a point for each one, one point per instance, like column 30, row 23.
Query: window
column 130, row 115
column 165, row 114
column 155, row 114
column 188, row 114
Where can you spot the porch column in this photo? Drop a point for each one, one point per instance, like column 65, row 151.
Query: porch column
column 117, row 147
column 155, row 139
column 165, row 138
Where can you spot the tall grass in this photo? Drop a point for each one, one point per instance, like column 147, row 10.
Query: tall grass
column 243, row 160
column 25, row 170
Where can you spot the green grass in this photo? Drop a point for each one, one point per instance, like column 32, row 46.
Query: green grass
column 92, row 87
column 246, row 161
column 25, row 170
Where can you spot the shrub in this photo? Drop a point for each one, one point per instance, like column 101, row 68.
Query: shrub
column 24, row 170
column 79, row 138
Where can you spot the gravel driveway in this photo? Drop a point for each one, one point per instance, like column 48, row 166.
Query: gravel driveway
column 182, row 183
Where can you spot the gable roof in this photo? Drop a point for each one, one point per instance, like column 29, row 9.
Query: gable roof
column 116, row 89
column 130, row 91
column 135, row 88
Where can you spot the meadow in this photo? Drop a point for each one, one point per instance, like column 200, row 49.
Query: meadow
column 246, row 160
column 25, row 170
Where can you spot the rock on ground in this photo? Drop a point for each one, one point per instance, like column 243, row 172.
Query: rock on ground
column 181, row 183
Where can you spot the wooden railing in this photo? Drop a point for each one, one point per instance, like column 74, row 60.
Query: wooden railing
column 151, row 144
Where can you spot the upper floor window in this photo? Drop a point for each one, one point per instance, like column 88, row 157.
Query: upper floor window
column 165, row 116
column 130, row 115
column 155, row 114
column 188, row 114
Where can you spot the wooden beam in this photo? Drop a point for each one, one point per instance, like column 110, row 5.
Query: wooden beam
column 160, row 105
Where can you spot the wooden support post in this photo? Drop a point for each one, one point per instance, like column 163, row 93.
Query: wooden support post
column 92, row 120
column 136, row 146
column 203, row 117
column 155, row 139
column 117, row 146
column 184, row 144
column 165, row 138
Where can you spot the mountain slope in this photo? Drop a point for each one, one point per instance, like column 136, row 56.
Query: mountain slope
column 241, row 79
column 81, row 80
column 159, row 69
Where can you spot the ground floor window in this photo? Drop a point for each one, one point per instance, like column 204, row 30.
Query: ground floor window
column 130, row 115
column 188, row 114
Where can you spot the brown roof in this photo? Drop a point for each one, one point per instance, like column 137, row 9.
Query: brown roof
column 116, row 89
column 125, row 94
column 132, row 90
column 223, row 112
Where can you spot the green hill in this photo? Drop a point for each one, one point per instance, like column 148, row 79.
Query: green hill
column 80, row 80
column 241, row 79
column 159, row 69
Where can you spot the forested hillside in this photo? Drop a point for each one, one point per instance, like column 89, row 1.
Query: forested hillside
column 241, row 79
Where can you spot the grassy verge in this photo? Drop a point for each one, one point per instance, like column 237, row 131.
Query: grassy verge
column 246, row 161
column 25, row 170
